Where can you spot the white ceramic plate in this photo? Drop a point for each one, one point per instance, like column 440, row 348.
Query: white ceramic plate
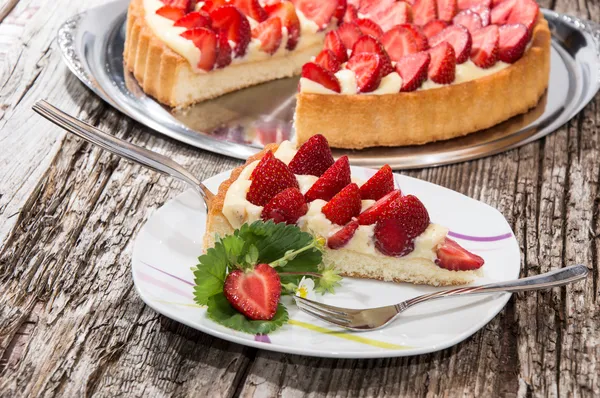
column 170, row 242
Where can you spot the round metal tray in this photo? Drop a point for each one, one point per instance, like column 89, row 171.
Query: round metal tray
column 240, row 123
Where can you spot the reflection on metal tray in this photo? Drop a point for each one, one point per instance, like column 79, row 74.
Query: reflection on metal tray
column 240, row 123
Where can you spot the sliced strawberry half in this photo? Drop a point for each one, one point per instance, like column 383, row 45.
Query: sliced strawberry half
column 384, row 208
column 326, row 58
column 196, row 19
column 331, row 182
column 418, row 35
column 313, row 158
column 369, row 44
column 398, row 42
column 399, row 13
column 287, row 206
column 368, row 27
column 351, row 14
column 343, row 236
column 469, row 19
column 254, row 293
column 206, row 41
column 319, row 11
column 413, row 70
column 484, row 13
column 374, row 7
column 391, row 238
column 500, row 12
column 512, row 43
column 251, row 8
column 344, row 205
column 459, row 38
column 524, row 12
column 442, row 68
column 269, row 34
column 368, row 70
column 211, row 5
column 349, row 33
column 270, row 177
column 412, row 214
column 340, row 11
column 286, row 11
column 453, row 257
column 432, row 28
column 379, row 185
column 230, row 22
column 224, row 52
column 484, row 52
column 185, row 5
column 468, row 4
column 424, row 11
column 334, row 43
column 446, row 9
column 317, row 73
column 170, row 12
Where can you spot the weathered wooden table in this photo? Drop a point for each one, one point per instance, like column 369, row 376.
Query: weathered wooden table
column 71, row 323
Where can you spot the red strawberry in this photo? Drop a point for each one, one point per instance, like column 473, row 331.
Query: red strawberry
column 459, row 38
column 170, row 12
column 484, row 13
column 525, row 12
column 314, row 157
column 373, row 7
column 211, row 5
column 368, row 27
column 368, row 70
column 287, row 206
column 269, row 35
column 223, row 53
column 413, row 70
column 398, row 13
column 484, row 52
column 270, row 177
column 254, row 293
column 287, row 13
column 318, row 11
column 379, row 185
column 343, row 206
column 391, row 238
column 451, row 256
column 412, row 215
column 513, row 41
column 369, row 44
column 446, row 9
column 351, row 14
column 343, row 236
column 318, row 74
column 230, row 22
column 469, row 19
column 334, row 43
column 398, row 42
column 327, row 60
column 185, row 5
column 251, row 8
column 433, row 28
column 424, row 11
column 206, row 41
column 196, row 19
column 340, row 11
column 349, row 33
column 500, row 13
column 418, row 35
column 468, row 4
column 442, row 68
column 384, row 208
column 331, row 182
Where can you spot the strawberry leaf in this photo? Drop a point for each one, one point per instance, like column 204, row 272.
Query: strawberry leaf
column 220, row 311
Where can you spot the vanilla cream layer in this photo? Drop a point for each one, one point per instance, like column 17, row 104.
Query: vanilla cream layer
column 170, row 35
column 238, row 211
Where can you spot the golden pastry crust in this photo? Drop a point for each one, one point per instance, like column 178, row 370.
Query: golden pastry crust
column 419, row 117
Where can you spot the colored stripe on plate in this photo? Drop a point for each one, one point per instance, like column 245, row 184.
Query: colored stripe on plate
column 481, row 238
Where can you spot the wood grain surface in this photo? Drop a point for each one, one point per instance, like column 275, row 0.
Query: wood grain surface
column 72, row 325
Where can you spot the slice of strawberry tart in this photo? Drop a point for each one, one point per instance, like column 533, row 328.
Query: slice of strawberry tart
column 372, row 229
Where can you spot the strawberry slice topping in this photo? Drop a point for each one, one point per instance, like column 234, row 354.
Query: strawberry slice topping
column 398, row 42
column 446, row 9
column 368, row 70
column 319, row 11
column 211, row 5
column 185, row 5
column 424, row 11
column 270, row 177
column 374, row 7
column 379, row 185
column 223, row 53
column 196, row 19
column 368, row 27
column 391, row 238
column 525, row 12
column 170, row 12
column 484, row 13
column 432, row 28
column 343, row 236
column 413, row 70
column 385, row 207
column 251, row 8
column 206, row 41
column 484, row 52
column 349, row 33
column 351, row 14
column 398, row 13
column 369, row 44
column 340, row 11
column 230, row 22
column 500, row 12
column 458, row 37
column 442, row 68
column 313, row 158
column 343, row 206
column 317, row 73
column 469, row 19
column 331, row 182
column 334, row 43
column 269, row 35
column 469, row 4
column 287, row 13
column 327, row 60
column 451, row 256
column 420, row 38
column 254, row 293
column 412, row 214
column 512, row 43
column 287, row 206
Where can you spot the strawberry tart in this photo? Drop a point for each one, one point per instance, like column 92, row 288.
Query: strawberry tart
column 373, row 230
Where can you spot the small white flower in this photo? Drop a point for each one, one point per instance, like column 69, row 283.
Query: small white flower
column 306, row 289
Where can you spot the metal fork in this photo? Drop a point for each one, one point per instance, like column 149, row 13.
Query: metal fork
column 377, row 318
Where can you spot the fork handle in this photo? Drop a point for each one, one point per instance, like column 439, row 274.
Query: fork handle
column 547, row 280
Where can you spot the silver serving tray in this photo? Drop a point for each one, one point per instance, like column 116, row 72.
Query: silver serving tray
column 240, row 123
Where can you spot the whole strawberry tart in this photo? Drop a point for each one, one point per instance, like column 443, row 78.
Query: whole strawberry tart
column 372, row 229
